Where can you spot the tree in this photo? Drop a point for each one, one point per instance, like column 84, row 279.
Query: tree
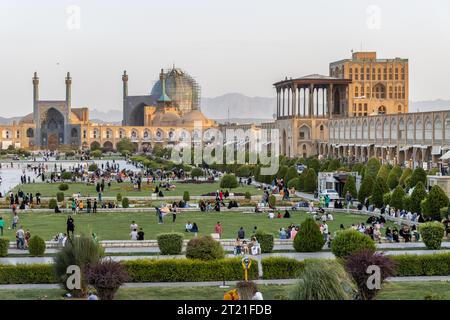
column 333, row 165
column 383, row 184
column 228, row 181
column 282, row 172
column 358, row 167
column 377, row 193
column 405, row 174
column 436, row 199
column 310, row 183
column 394, row 177
column 383, row 173
column 397, row 198
column 313, row 163
column 196, row 172
column 350, row 186
column 309, row 238
column 290, row 174
column 373, row 166
column 418, row 175
column 365, row 189
column 243, row 171
column 95, row 146
column 125, row 145
column 419, row 193
column 301, row 181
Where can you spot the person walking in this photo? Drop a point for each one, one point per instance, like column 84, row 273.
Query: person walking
column 94, row 208
column 218, row 229
column 15, row 221
column 70, row 226
column 20, row 236
column 174, row 215
column 241, row 233
column 2, row 225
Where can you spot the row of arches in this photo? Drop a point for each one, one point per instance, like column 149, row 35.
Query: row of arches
column 409, row 128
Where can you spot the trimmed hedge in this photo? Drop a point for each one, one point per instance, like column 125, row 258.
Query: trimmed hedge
column 204, row 248
column 351, row 241
column 432, row 234
column 63, row 187
column 52, row 204
column 179, row 270
column 422, row 265
column 60, row 196
column 4, row 245
column 281, row 268
column 36, row 246
column 170, row 243
column 27, row 273
column 125, row 203
column 265, row 241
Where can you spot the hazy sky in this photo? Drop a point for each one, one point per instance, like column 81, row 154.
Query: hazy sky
column 228, row 46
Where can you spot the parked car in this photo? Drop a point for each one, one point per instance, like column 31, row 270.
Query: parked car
column 332, row 194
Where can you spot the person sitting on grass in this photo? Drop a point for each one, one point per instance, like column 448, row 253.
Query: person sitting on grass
column 194, row 228
column 188, row 226
column 286, row 215
column 257, row 209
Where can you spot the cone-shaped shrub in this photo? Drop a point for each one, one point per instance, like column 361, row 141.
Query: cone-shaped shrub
column 309, row 238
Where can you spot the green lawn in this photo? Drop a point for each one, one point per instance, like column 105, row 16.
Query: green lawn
column 390, row 291
column 126, row 189
column 415, row 290
column 270, row 292
column 115, row 226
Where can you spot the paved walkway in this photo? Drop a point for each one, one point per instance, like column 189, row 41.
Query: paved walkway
column 278, row 247
column 209, row 283
column 295, row 255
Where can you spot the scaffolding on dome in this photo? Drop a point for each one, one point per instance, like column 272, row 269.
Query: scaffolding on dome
column 191, row 91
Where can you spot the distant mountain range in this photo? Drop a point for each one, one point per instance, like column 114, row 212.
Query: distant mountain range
column 236, row 107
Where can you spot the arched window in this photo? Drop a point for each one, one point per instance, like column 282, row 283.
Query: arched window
column 74, row 133
column 428, row 130
column 400, row 108
column 371, row 130
column 419, row 130
column 438, row 130
column 358, row 130
column 378, row 132
column 410, row 130
column 365, row 130
column 380, row 91
column 394, row 130
column 304, row 133
column 30, row 133
column 353, row 131
column 386, row 129
column 401, row 129
column 382, row 110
